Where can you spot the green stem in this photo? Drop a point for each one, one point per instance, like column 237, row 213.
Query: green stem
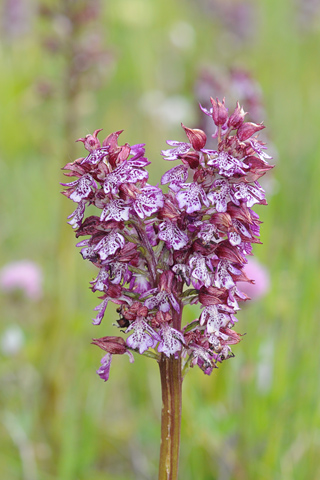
column 171, row 386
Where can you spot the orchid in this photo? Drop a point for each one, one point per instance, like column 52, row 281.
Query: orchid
column 157, row 251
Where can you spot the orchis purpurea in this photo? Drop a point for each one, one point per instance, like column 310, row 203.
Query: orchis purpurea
column 148, row 246
column 156, row 252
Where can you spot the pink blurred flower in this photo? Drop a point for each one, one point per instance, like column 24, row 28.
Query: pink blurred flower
column 254, row 270
column 24, row 275
column 17, row 18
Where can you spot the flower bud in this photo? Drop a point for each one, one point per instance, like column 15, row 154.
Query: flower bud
column 220, row 112
column 124, row 153
column 112, row 140
column 236, row 119
column 190, row 159
column 113, row 345
column 247, row 130
column 197, row 137
column 91, row 142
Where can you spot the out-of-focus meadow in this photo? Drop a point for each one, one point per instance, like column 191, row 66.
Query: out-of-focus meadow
column 68, row 68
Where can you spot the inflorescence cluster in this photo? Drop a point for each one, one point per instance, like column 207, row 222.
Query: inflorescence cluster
column 157, row 252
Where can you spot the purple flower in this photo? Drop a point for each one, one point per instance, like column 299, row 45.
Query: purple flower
column 210, row 113
column 220, row 198
column 172, row 235
column 241, row 228
column 24, row 275
column 227, row 165
column 203, row 358
column 233, row 295
column 151, row 234
column 104, row 370
column 213, row 319
column 199, row 272
column 139, row 284
column 260, row 274
column 109, row 245
column 143, row 337
column 149, row 201
column 149, row 246
column 77, row 215
column 175, row 177
column 113, row 346
column 138, row 151
column 174, row 153
column 83, row 189
column 96, row 156
column 171, row 340
column 183, row 271
column 162, row 300
column 101, row 281
column 209, row 233
column 101, row 311
column 191, row 197
column 88, row 252
column 118, row 272
column 115, row 210
column 129, row 171
column 251, row 194
column 223, row 278
column 258, row 147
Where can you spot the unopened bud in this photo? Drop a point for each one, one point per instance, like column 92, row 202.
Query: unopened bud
column 237, row 118
column 197, row 137
column 190, row 159
column 91, row 142
column 112, row 140
column 220, row 112
column 247, row 130
column 124, row 153
column 113, row 345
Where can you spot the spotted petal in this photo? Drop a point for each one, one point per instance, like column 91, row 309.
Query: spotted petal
column 227, row 165
column 149, row 201
column 96, row 156
column 199, row 272
column 126, row 173
column 77, row 215
column 180, row 149
column 251, row 194
column 191, row 197
column 171, row 340
column 109, row 245
column 115, row 210
column 175, row 176
column 83, row 189
column 101, row 281
column 172, row 235
column 223, row 279
column 143, row 337
column 220, row 198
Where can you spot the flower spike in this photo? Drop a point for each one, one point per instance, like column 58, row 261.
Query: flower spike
column 157, row 251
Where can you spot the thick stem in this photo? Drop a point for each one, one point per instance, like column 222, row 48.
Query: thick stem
column 171, row 386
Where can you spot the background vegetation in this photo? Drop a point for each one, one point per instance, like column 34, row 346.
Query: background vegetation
column 134, row 66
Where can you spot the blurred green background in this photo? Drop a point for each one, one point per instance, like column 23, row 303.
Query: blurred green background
column 68, row 68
